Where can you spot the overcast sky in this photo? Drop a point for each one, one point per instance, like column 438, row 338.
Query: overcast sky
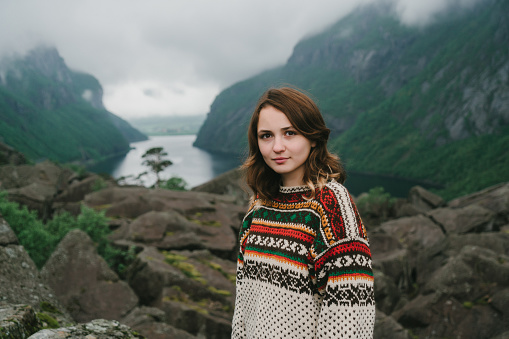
column 172, row 57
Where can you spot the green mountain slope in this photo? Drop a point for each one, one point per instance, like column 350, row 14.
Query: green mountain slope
column 423, row 103
column 50, row 112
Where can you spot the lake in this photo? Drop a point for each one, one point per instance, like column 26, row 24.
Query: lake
column 197, row 166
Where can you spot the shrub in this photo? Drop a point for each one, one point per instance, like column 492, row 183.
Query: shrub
column 40, row 240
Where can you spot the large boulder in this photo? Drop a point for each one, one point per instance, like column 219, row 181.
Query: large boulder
column 18, row 321
column 471, row 218
column 21, row 282
column 386, row 327
column 84, row 283
column 152, row 323
column 9, row 156
column 34, row 186
column 164, row 230
column 194, row 286
column 416, row 232
column 423, row 200
column 217, row 216
column 495, row 198
column 96, row 329
column 231, row 183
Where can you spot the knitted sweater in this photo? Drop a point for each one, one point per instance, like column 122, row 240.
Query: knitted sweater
column 304, row 268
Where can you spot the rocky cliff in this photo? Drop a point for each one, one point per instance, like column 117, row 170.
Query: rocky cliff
column 427, row 103
column 48, row 111
column 441, row 268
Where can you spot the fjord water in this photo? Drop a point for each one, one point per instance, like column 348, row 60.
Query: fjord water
column 192, row 164
column 197, row 166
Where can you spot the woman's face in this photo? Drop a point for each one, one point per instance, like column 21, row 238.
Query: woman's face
column 283, row 148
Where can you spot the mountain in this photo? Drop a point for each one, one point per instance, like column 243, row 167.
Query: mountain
column 425, row 103
column 48, row 111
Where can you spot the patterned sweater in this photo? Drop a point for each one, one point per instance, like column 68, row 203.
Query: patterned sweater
column 304, row 268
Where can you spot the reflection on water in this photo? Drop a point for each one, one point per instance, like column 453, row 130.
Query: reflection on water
column 196, row 166
column 192, row 164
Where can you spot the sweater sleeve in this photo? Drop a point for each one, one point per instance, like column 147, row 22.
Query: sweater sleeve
column 343, row 268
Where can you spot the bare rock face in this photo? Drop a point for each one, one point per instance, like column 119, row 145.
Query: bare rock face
column 471, row 218
column 387, row 327
column 423, row 199
column 97, row 329
column 9, row 156
column 195, row 289
column 414, row 232
column 230, row 183
column 18, row 321
column 84, row 283
column 152, row 323
column 20, row 281
column 198, row 219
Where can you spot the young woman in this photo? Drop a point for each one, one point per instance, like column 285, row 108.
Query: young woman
column 304, row 267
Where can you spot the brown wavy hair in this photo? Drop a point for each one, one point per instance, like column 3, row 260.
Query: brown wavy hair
column 306, row 118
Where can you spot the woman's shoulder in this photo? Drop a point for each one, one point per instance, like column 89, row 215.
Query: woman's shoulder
column 335, row 190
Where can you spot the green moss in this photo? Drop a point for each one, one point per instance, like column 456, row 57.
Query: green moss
column 179, row 262
column 217, row 267
column 47, row 307
column 48, row 321
column 218, row 291
column 468, row 304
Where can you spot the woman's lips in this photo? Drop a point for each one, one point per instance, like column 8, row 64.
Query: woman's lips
column 280, row 160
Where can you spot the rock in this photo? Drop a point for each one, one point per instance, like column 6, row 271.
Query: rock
column 84, row 283
column 218, row 217
column 390, row 258
column 151, row 323
column 431, row 316
column 387, row 293
column 416, row 232
column 494, row 198
column 9, row 156
column 423, row 199
column 500, row 301
column 18, row 321
column 231, row 183
column 497, row 242
column 97, row 329
column 196, row 320
column 504, row 335
column 387, row 327
column 184, row 276
column 21, row 283
column 164, row 230
column 471, row 218
column 470, row 274
column 34, row 186
column 7, row 236
column 78, row 189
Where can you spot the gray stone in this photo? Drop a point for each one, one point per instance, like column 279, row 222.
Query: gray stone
column 84, row 283
column 387, row 327
column 7, row 236
column 423, row 199
column 471, row 218
column 151, row 323
column 18, row 321
column 97, row 329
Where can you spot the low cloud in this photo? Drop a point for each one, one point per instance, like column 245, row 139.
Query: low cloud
column 183, row 52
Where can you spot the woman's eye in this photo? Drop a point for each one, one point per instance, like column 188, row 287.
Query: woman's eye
column 291, row 133
column 264, row 136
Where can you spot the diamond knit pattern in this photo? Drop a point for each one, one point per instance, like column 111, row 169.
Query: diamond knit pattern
column 304, row 268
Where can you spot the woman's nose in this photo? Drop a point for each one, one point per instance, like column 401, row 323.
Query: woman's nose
column 278, row 145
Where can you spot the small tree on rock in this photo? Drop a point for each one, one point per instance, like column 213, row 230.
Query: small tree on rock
column 154, row 158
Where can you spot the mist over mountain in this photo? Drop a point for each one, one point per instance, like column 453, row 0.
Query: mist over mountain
column 426, row 103
column 48, row 111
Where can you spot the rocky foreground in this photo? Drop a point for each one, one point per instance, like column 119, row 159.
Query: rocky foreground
column 441, row 269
